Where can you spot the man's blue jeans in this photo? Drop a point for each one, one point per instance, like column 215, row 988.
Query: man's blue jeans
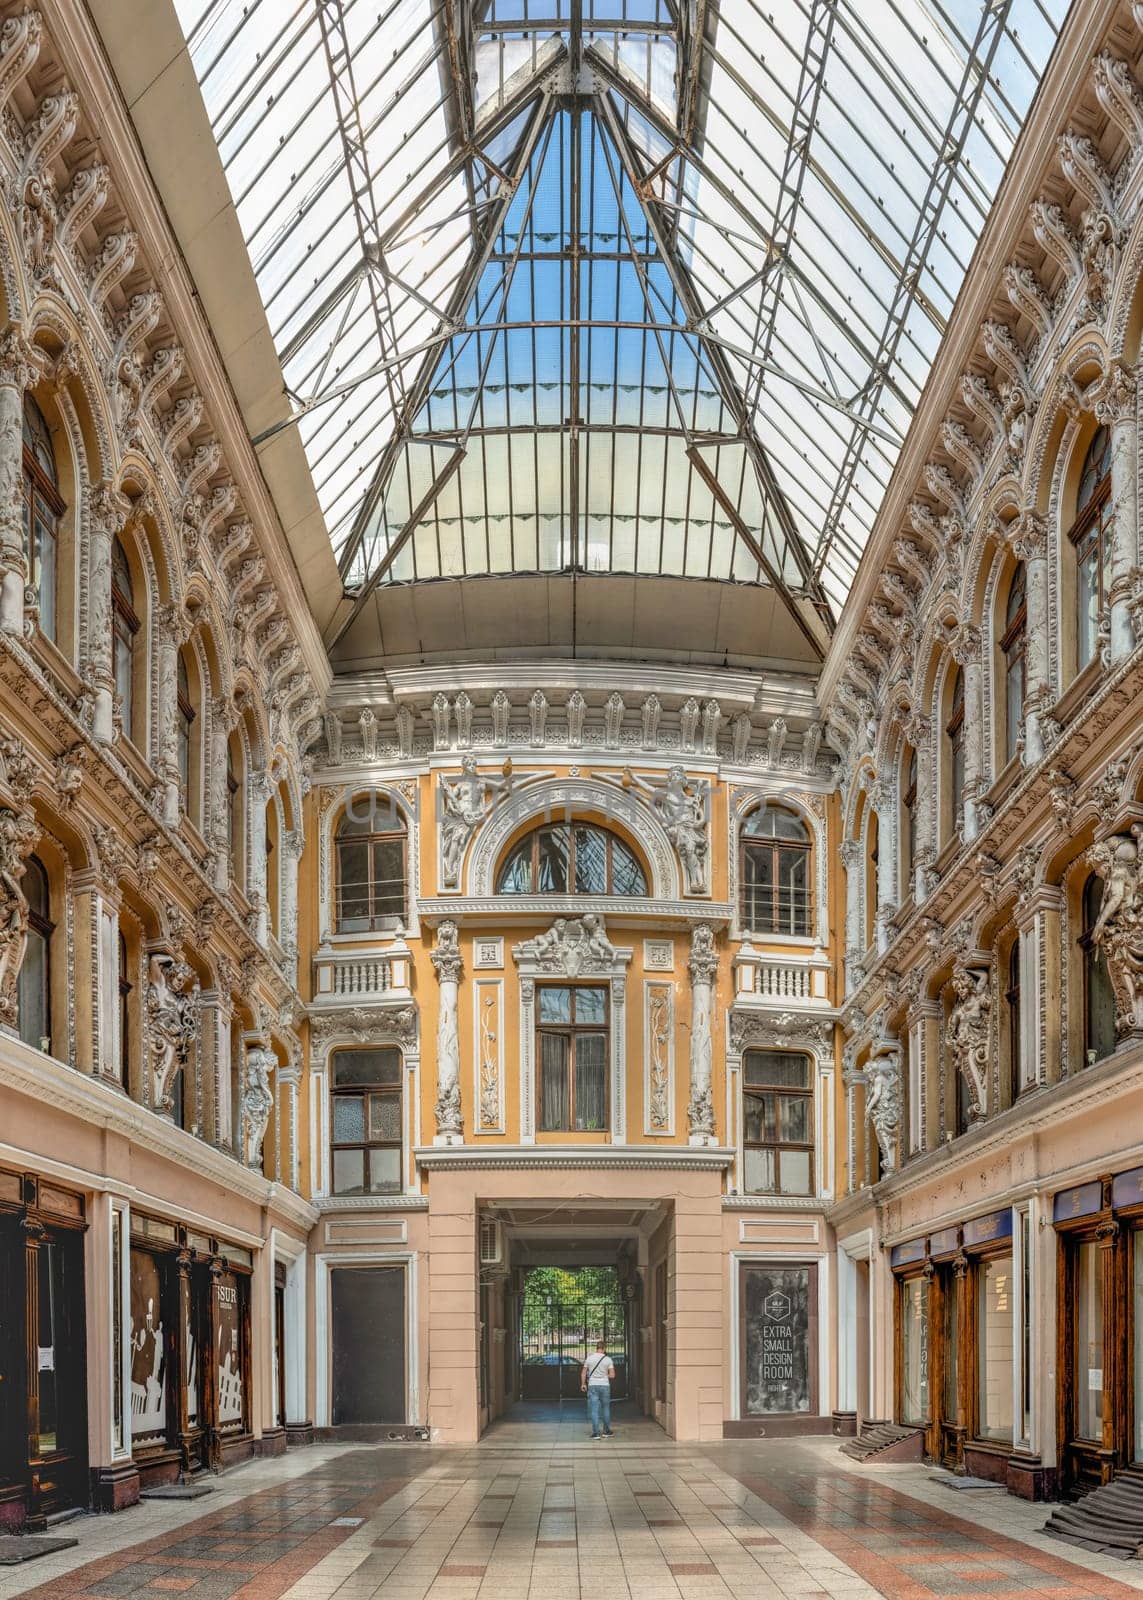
column 599, row 1407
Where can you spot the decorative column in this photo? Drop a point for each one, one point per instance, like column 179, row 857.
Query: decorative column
column 1043, row 1039
column 170, row 633
column 223, row 718
column 96, row 909
column 703, row 965
column 1029, row 540
column 924, row 1022
column 966, row 654
column 1116, row 408
column 289, row 1080
column 885, row 801
column 259, row 788
column 106, row 517
column 292, row 845
column 16, row 375
column 446, row 958
column 917, row 732
column 851, row 859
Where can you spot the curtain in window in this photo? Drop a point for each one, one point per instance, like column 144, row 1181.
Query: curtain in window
column 554, row 1054
column 591, row 1081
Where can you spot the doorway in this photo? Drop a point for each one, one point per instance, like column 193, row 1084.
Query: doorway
column 367, row 1312
column 564, row 1313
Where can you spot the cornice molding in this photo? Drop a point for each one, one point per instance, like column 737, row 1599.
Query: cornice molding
column 597, row 1158
column 525, row 910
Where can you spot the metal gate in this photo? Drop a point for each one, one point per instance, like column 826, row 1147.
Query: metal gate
column 557, row 1331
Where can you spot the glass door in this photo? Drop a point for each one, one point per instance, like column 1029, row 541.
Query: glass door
column 950, row 1433
column 913, row 1305
column 1137, row 1344
column 59, row 1432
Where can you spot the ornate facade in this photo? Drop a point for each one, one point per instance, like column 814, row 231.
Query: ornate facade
column 329, row 1005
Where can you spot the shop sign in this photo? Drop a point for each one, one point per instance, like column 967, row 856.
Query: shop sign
column 778, row 1350
column 902, row 1255
column 1127, row 1189
column 1084, row 1201
column 945, row 1243
column 982, row 1230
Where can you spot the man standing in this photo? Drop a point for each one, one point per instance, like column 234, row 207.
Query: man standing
column 595, row 1381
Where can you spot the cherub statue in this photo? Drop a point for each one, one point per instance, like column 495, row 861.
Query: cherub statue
column 680, row 805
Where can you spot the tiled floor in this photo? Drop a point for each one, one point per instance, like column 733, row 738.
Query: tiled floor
column 539, row 1512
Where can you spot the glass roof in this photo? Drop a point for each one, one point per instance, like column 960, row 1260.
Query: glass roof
column 640, row 286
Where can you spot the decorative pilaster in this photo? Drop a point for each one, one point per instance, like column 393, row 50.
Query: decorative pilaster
column 96, row 905
column 292, row 845
column 966, row 654
column 224, row 716
column 851, row 858
column 260, row 790
column 106, row 517
column 171, row 632
column 16, row 374
column 885, row 800
column 446, row 958
column 1116, row 408
column 1029, row 540
column 703, row 965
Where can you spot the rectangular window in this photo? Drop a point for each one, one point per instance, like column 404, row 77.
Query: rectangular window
column 778, row 1339
column 996, row 1310
column 572, row 1051
column 914, row 1312
column 370, row 882
column 778, row 1122
column 366, row 1108
column 1088, row 1376
column 1137, row 1324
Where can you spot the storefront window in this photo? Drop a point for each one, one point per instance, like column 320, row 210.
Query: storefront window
column 1026, row 1325
column 915, row 1350
column 952, row 1347
column 117, row 1329
column 1137, row 1297
column 148, row 1359
column 997, row 1311
column 231, row 1391
column 1089, row 1341
column 778, row 1318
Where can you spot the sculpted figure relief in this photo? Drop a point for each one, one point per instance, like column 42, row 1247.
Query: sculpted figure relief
column 883, row 1104
column 257, row 1101
column 1118, row 930
column 172, row 1022
column 968, row 1031
column 680, row 804
column 446, row 958
column 17, row 835
column 571, row 945
column 464, row 802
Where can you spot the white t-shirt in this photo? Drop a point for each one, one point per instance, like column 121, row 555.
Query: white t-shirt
column 597, row 1365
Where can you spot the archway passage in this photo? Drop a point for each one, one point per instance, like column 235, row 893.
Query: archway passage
column 564, row 1313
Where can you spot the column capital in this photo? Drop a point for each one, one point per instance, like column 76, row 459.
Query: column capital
column 18, row 365
column 1116, row 401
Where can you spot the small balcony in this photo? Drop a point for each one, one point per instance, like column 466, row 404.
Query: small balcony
column 794, row 980
column 361, row 977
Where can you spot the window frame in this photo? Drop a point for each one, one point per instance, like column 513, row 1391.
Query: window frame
column 185, row 733
column 375, row 921
column 39, row 489
column 909, row 803
column 777, row 1144
column 572, row 826
column 363, row 1091
column 955, row 736
column 125, row 987
column 42, row 925
column 1012, row 1000
column 749, row 895
column 571, row 1030
column 1089, row 535
column 1089, row 956
column 1014, row 644
column 125, row 624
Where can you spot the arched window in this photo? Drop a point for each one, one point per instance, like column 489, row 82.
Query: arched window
column 1013, row 642
column 1098, row 996
column 776, row 872
column 371, row 866
column 125, row 987
column 1091, row 538
column 34, row 986
column 185, row 723
column 125, row 625
column 234, row 840
column 1012, row 1000
column 43, row 508
column 954, row 733
column 909, row 801
column 571, row 859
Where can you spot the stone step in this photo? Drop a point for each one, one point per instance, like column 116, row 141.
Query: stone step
column 885, row 1441
column 1108, row 1519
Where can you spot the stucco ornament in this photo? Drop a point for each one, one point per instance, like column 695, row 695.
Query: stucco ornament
column 883, row 1104
column 703, row 965
column 446, row 958
column 1118, row 931
column 257, row 1101
column 571, row 945
column 968, row 1031
column 172, row 1023
column 18, row 833
column 680, row 803
column 464, row 803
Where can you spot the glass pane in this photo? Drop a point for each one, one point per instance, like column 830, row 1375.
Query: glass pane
column 349, row 1172
column 554, row 1050
column 758, row 1171
column 46, row 575
column 553, row 861
column 952, row 1348
column 49, row 1352
column 348, row 1119
column 1014, row 705
column 1087, row 607
column 32, row 992
column 915, row 1349
column 795, row 1171
column 591, row 1081
column 230, row 1386
column 1137, row 1297
column 352, row 871
column 148, row 1350
column 753, row 1118
column 793, row 900
column 997, row 1320
column 794, row 1119
column 1089, row 1341
column 779, row 1357
column 385, row 1117
column 590, row 861
column 384, row 1171
column 590, row 1005
column 555, row 1003
column 516, row 873
column 758, row 888
column 779, row 1069
column 367, row 1068
column 389, row 878
column 627, row 875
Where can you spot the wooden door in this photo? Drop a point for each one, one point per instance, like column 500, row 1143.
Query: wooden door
column 56, row 1370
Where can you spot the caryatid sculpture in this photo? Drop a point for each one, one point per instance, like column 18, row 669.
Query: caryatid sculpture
column 968, row 1031
column 172, row 1023
column 1118, row 930
column 464, row 802
column 18, row 833
column 680, row 803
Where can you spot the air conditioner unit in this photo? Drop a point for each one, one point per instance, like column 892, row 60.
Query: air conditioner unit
column 491, row 1245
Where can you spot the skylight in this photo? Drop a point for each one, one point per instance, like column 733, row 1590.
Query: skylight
column 612, row 285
